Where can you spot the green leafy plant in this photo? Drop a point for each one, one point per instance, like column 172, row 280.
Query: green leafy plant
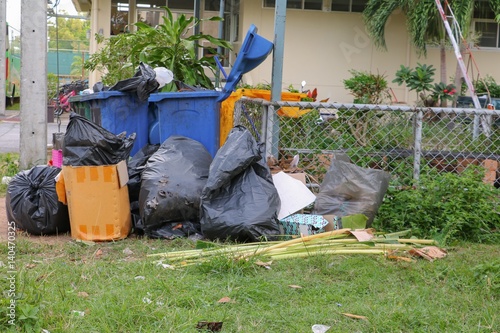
column 28, row 317
column 51, row 86
column 487, row 85
column 420, row 79
column 9, row 166
column 442, row 92
column 444, row 206
column 166, row 45
column 489, row 274
column 367, row 88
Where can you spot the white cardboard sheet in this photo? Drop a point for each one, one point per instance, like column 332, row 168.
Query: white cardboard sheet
column 294, row 194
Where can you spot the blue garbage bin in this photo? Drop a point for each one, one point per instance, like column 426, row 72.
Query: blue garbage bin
column 119, row 112
column 196, row 114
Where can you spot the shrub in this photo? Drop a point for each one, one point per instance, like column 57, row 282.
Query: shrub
column 166, row 45
column 420, row 79
column 445, row 206
column 488, row 84
column 367, row 88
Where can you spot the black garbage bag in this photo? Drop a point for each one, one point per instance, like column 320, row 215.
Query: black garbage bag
column 239, row 201
column 169, row 199
column 86, row 143
column 143, row 83
column 31, row 202
column 99, row 86
column 135, row 166
column 349, row 189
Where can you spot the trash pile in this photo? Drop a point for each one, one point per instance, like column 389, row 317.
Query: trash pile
column 146, row 80
column 177, row 189
column 170, row 178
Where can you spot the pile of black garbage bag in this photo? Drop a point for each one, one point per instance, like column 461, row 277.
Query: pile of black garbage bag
column 31, row 199
column 183, row 192
column 177, row 189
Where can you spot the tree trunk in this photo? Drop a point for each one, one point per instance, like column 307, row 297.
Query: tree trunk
column 442, row 53
column 458, row 78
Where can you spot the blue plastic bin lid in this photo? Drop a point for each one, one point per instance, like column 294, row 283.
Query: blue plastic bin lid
column 103, row 95
column 253, row 52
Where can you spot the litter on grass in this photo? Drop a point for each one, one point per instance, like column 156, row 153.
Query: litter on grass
column 341, row 241
column 320, row 328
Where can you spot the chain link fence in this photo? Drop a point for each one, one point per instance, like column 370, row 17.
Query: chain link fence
column 399, row 139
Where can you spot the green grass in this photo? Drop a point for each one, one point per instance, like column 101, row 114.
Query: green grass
column 9, row 166
column 131, row 293
column 15, row 106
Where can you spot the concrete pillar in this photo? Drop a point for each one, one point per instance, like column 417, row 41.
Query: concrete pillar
column 100, row 24
column 33, row 136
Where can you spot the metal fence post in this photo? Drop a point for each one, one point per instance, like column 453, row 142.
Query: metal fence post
column 272, row 132
column 475, row 130
column 263, row 126
column 237, row 112
column 417, row 149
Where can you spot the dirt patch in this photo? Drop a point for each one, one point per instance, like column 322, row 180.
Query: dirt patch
column 56, row 239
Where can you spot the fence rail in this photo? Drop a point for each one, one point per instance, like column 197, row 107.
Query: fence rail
column 400, row 139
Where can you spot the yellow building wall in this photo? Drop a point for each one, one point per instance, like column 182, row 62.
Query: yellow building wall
column 321, row 48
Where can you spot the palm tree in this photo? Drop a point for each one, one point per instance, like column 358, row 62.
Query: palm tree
column 423, row 23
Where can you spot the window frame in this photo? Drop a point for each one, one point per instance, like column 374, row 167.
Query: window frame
column 302, row 5
column 350, row 7
column 497, row 35
column 488, row 19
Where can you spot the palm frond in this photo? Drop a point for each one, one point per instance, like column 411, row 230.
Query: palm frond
column 376, row 15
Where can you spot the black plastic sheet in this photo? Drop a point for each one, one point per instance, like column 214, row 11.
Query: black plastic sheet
column 143, row 83
column 239, row 201
column 86, row 143
column 349, row 189
column 32, row 203
column 169, row 199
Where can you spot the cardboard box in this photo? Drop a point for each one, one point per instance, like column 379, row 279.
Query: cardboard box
column 97, row 199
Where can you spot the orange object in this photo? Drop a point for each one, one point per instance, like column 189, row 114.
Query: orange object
column 98, row 201
column 227, row 115
column 227, row 107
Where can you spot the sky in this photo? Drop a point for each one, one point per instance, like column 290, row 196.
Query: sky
column 14, row 11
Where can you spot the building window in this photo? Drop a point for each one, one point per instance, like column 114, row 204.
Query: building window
column 180, row 4
column 488, row 32
column 485, row 25
column 298, row 4
column 214, row 5
column 354, row 6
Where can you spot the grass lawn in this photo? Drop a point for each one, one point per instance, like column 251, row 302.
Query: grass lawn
column 115, row 287
column 15, row 106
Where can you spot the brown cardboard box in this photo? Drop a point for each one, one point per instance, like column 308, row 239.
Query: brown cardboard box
column 299, row 176
column 98, row 202
column 490, row 175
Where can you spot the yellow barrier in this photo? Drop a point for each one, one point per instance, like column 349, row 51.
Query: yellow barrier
column 227, row 107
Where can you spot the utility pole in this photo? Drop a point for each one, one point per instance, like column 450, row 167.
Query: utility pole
column 3, row 68
column 33, row 136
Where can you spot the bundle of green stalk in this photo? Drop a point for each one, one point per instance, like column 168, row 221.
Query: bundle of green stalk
column 332, row 242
